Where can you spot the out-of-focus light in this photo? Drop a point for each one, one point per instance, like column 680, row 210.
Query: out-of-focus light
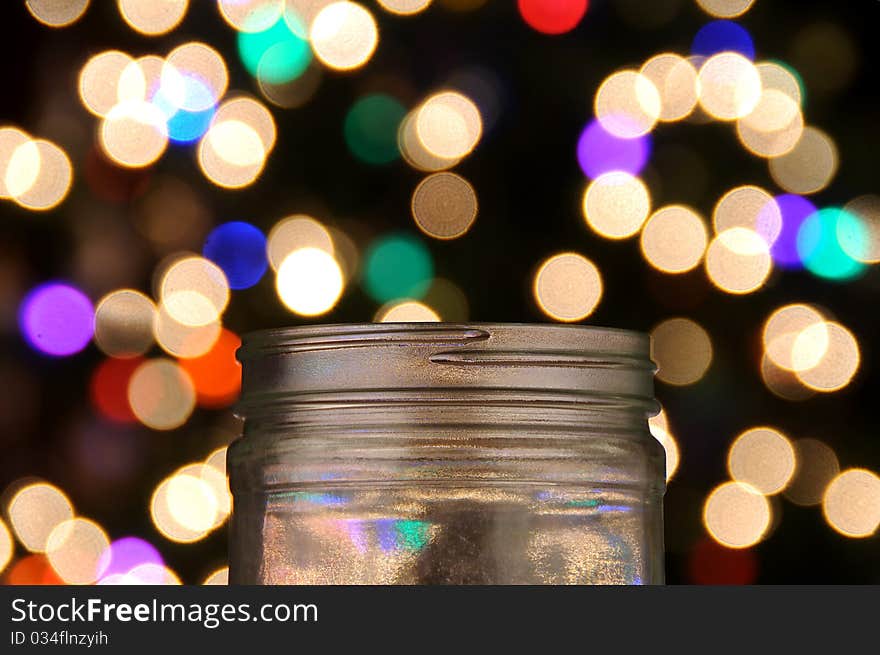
column 826, row 54
column 627, row 104
column 140, row 80
column 782, row 382
column 57, row 319
column 711, row 563
column 10, row 140
column 217, row 459
column 7, row 546
column 444, row 205
column 134, row 134
column 35, row 511
column 194, row 291
column 749, row 207
column 152, row 574
column 75, row 548
column 599, row 151
column 125, row 554
column 825, row 240
column 239, row 249
column 183, row 508
column 38, row 176
column 730, row 86
column 738, row 261
column 397, row 266
column 414, row 151
column 296, row 232
column 218, row 485
column 552, row 16
column 675, row 79
column 736, row 515
column 448, row 125
column 32, row 570
column 184, row 341
column 723, row 36
column 371, row 127
column 810, row 166
column 194, row 78
column 838, row 363
column 216, row 374
column 774, row 126
column 99, row 81
column 153, row 17
column 309, row 281
column 344, row 35
column 780, row 77
column 276, row 54
column 795, row 210
column 447, row 300
column 251, row 15
column 57, row 13
column 567, row 287
column 670, row 447
column 725, row 8
column 852, row 503
column 781, row 331
column 407, row 311
column 682, row 350
column 763, row 458
column 867, row 209
column 817, row 466
column 253, row 114
column 674, row 239
column 231, row 154
column 124, row 323
column 616, row 204
column 109, row 388
column 161, row 394
column 295, row 93
column 221, row 575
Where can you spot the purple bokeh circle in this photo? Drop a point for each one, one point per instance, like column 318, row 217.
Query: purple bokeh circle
column 795, row 210
column 600, row 152
column 126, row 553
column 57, row 319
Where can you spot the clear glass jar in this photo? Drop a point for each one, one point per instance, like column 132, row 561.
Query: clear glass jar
column 435, row 453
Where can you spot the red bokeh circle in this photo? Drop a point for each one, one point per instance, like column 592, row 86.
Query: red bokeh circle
column 553, row 16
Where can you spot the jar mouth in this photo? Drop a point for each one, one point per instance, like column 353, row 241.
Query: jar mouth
column 518, row 364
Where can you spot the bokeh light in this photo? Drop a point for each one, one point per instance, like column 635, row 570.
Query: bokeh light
column 57, row 13
column 674, row 239
column 109, row 388
column 161, row 394
column 736, row 515
column 57, row 319
column 670, row 448
column 309, row 281
column 194, row 78
column 216, row 375
column 723, row 36
column 183, row 508
column 296, row 232
column 616, row 204
column 239, row 249
column 185, row 341
column 839, row 361
column 762, row 458
column 38, row 176
column 627, row 104
column 725, row 8
column 397, row 266
column 7, row 546
column 407, row 311
column 675, row 79
column 194, row 291
column 276, row 54
column 344, row 35
column 10, row 140
column 444, row 205
column 371, row 127
column 682, row 350
column 852, row 503
column 125, row 554
column 134, row 134
column 568, row 287
column 599, row 151
column 221, row 575
column 738, row 261
column 153, row 17
column 34, row 512
column 32, row 570
column 749, row 207
column 817, row 466
column 795, row 210
column 99, row 81
column 776, row 75
column 782, row 329
column 75, row 548
column 810, row 166
column 774, row 126
column 552, row 16
column 730, row 86
column 825, row 241
column 867, row 209
column 251, row 15
column 124, row 323
column 448, row 125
